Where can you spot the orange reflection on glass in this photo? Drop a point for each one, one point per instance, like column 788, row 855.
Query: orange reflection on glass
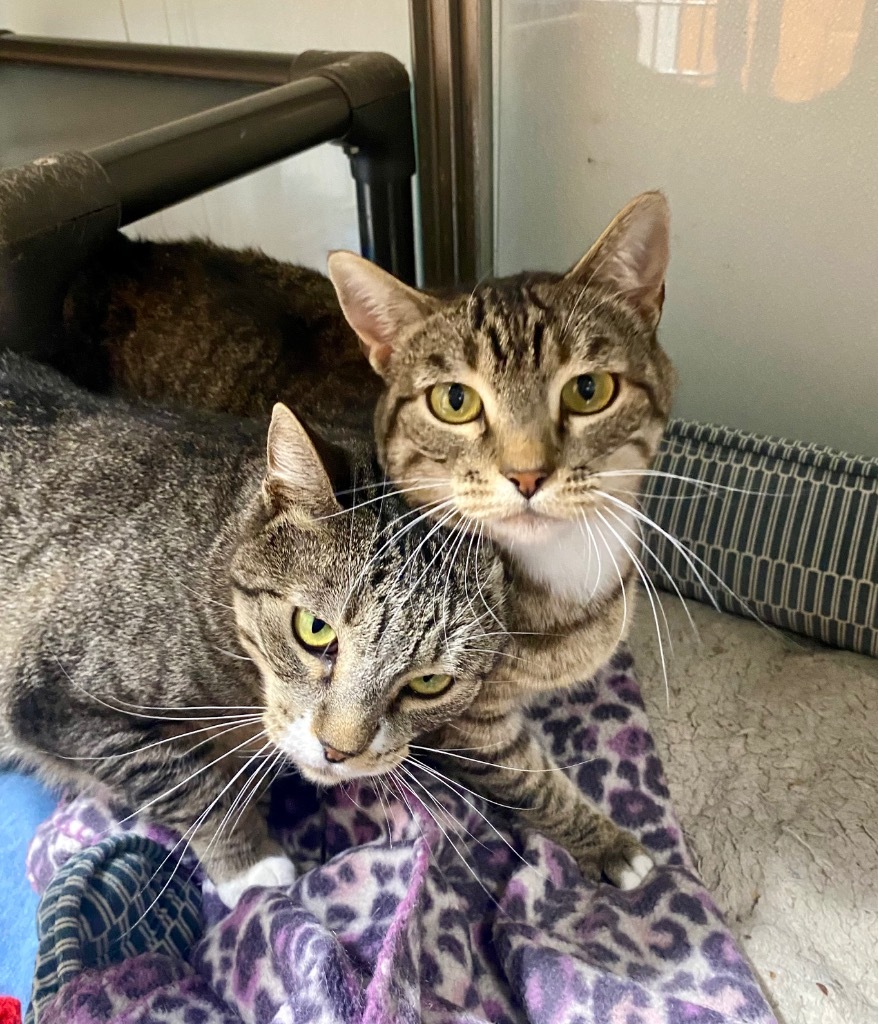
column 796, row 48
column 696, row 43
column 816, row 46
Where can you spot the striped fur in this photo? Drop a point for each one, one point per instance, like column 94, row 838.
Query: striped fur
column 150, row 565
column 569, row 549
column 516, row 340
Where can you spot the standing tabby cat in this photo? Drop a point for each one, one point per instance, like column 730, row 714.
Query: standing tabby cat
column 171, row 599
column 523, row 411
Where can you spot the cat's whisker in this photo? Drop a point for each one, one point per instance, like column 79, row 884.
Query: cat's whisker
column 644, row 579
column 452, row 821
column 446, row 540
column 603, row 295
column 648, row 583
column 404, row 792
column 593, row 546
column 709, row 486
column 450, row 556
column 421, row 514
column 499, row 654
column 622, row 588
column 505, row 767
column 458, row 790
column 434, row 529
column 638, row 495
column 436, row 773
column 203, row 597
column 369, row 501
column 239, row 797
column 485, row 746
column 681, row 548
column 691, row 558
column 198, row 771
column 136, row 714
column 248, row 721
column 376, row 785
column 193, row 828
column 384, row 484
column 260, row 778
column 184, row 838
column 485, row 602
column 416, row 782
column 231, row 654
column 515, row 632
column 663, row 569
column 346, row 789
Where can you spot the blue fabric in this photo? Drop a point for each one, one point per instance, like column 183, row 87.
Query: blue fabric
column 24, row 803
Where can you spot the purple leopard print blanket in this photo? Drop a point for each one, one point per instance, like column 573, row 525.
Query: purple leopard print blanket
column 403, row 914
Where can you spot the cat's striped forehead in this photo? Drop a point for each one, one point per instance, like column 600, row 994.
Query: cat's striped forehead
column 533, row 324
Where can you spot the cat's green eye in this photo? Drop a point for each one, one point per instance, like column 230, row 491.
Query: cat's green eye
column 311, row 631
column 431, row 685
column 589, row 392
column 454, row 402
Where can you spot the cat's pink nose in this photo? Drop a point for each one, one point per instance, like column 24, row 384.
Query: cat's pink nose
column 528, row 481
column 335, row 756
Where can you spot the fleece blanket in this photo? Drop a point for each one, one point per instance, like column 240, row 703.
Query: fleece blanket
column 429, row 907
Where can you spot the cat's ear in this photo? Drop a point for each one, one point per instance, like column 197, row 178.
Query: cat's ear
column 631, row 256
column 295, row 475
column 382, row 311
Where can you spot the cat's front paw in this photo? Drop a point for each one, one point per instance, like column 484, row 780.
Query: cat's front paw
column 275, row 872
column 621, row 859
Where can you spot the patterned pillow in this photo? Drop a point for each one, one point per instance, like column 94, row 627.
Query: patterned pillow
column 772, row 528
column 112, row 901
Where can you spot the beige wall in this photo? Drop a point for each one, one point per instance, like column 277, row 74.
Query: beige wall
column 762, row 126
column 295, row 210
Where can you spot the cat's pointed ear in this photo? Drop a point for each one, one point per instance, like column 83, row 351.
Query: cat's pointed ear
column 382, row 311
column 295, row 475
column 631, row 256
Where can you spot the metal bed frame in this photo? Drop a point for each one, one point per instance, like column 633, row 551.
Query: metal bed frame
column 241, row 111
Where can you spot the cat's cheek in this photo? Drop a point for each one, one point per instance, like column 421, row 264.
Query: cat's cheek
column 275, row 872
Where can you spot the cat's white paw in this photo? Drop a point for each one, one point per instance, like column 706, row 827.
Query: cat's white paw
column 274, row 872
column 628, row 874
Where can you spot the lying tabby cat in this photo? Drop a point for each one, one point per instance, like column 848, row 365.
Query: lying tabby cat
column 523, row 411
column 166, row 596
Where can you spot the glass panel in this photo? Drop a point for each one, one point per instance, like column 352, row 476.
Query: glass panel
column 758, row 118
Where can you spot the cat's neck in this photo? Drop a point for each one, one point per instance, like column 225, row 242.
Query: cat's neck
column 578, row 563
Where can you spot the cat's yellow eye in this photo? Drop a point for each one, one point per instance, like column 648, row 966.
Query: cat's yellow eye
column 589, row 393
column 454, row 402
column 311, row 631
column 431, row 685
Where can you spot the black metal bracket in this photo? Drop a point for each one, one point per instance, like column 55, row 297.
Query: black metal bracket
column 380, row 145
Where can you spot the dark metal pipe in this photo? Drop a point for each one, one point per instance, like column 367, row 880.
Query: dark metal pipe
column 157, row 168
column 146, row 58
column 361, row 99
column 386, row 225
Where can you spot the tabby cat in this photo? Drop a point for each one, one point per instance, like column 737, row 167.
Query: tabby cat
column 524, row 411
column 179, row 607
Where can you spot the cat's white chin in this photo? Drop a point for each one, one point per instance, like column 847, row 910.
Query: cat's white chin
column 575, row 561
column 333, row 774
column 525, row 528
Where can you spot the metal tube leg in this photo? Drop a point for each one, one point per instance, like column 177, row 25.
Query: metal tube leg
column 384, row 208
